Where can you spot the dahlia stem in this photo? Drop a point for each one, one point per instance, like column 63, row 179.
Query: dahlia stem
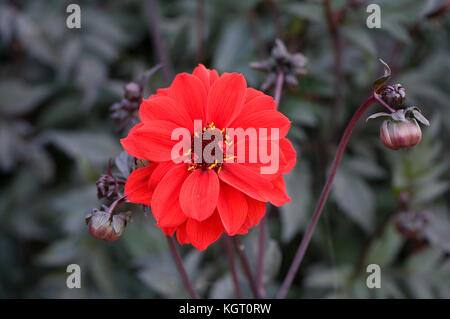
column 323, row 198
column 261, row 254
column 234, row 275
column 263, row 224
column 333, row 29
column 200, row 22
column 382, row 103
column 246, row 266
column 157, row 39
column 278, row 88
column 179, row 263
column 115, row 203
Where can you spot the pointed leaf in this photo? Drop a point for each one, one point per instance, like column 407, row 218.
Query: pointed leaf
column 381, row 80
column 374, row 116
column 419, row 116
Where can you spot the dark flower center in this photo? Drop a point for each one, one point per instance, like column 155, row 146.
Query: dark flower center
column 208, row 148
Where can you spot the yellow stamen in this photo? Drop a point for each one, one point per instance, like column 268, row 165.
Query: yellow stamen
column 213, row 165
column 229, row 158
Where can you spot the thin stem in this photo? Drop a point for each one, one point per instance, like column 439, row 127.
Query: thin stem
column 263, row 224
column 252, row 18
column 333, row 28
column 439, row 11
column 261, row 254
column 234, row 275
column 382, row 103
column 278, row 88
column 200, row 19
column 115, row 203
column 179, row 263
column 323, row 198
column 246, row 266
column 276, row 18
column 158, row 41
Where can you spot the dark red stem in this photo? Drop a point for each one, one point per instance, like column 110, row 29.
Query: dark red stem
column 323, row 198
column 263, row 224
column 199, row 28
column 157, row 39
column 233, row 271
column 179, row 263
column 115, row 203
column 246, row 266
column 333, row 27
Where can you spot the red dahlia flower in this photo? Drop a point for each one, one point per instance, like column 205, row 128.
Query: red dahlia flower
column 200, row 200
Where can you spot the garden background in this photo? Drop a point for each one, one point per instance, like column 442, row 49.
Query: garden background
column 56, row 137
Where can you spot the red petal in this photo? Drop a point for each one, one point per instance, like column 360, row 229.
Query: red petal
column 162, row 92
column 277, row 195
column 202, row 234
column 129, row 143
column 165, row 202
column 260, row 103
column 246, row 179
column 166, row 109
column 136, row 187
column 250, row 94
column 226, row 99
column 288, row 156
column 269, row 119
column 168, row 231
column 213, row 77
column 189, row 92
column 207, row 76
column 159, row 173
column 182, row 236
column 151, row 141
column 232, row 208
column 199, row 194
column 256, row 211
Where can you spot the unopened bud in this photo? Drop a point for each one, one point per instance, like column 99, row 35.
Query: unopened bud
column 400, row 129
column 394, row 95
column 107, row 187
column 133, row 91
column 281, row 61
column 106, row 226
column 402, row 134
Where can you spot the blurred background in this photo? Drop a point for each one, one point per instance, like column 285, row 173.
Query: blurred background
column 56, row 136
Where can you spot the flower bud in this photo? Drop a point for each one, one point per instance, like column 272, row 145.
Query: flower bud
column 106, row 226
column 404, row 134
column 107, row 187
column 400, row 129
column 133, row 91
column 394, row 95
column 292, row 65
